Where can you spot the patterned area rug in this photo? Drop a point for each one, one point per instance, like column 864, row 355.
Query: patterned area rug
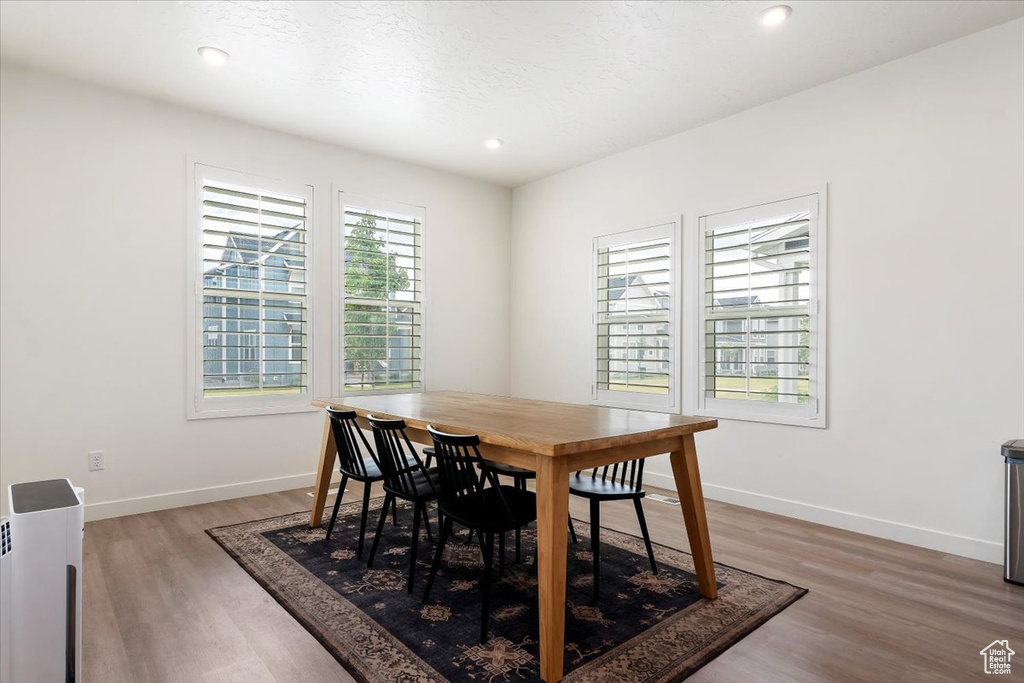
column 644, row 627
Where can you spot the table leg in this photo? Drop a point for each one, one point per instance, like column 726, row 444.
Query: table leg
column 691, row 500
column 328, row 452
column 552, row 511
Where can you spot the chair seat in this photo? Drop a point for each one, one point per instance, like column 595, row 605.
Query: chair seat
column 489, row 514
column 595, row 487
column 373, row 473
column 508, row 470
column 425, row 486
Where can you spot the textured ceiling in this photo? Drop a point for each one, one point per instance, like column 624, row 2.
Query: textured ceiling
column 562, row 83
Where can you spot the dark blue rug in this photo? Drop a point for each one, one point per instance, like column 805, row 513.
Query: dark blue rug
column 644, row 627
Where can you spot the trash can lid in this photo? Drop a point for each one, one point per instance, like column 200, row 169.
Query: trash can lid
column 1014, row 448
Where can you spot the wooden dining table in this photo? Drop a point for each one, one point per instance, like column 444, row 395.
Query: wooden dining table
column 552, row 439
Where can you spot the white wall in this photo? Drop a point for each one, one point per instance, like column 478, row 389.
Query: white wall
column 93, row 292
column 925, row 163
column 924, row 158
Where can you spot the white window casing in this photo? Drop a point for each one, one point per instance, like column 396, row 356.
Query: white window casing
column 636, row 318
column 760, row 332
column 249, row 350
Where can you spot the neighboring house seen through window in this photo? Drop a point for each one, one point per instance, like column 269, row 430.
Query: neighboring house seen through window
column 253, row 315
column 761, row 331
column 382, row 316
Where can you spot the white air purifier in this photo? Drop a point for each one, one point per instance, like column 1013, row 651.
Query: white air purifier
column 42, row 634
column 6, row 560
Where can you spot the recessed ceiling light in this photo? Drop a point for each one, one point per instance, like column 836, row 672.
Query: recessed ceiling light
column 773, row 16
column 214, row 56
column 493, row 143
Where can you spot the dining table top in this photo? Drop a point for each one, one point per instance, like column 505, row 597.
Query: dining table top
column 539, row 427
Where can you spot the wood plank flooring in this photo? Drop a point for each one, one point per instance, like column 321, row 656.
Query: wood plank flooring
column 163, row 602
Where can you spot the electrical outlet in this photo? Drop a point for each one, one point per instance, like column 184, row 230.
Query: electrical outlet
column 95, row 461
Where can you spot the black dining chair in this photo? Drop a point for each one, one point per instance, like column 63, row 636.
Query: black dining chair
column 472, row 496
column 354, row 465
column 519, row 476
column 622, row 481
column 405, row 477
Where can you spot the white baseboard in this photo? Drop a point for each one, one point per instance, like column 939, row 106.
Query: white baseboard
column 932, row 539
column 976, row 548
column 211, row 494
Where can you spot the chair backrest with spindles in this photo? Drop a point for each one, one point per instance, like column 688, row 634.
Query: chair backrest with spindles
column 347, row 437
column 398, row 459
column 629, row 473
column 461, row 477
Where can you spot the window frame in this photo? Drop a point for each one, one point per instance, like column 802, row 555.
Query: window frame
column 343, row 198
column 661, row 403
column 199, row 406
column 815, row 412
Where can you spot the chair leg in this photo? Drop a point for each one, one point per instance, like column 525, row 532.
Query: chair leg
column 520, row 483
column 486, row 586
column 337, row 505
column 595, row 542
column 483, row 543
column 362, row 521
column 380, row 527
column 426, row 523
column 417, row 511
column 446, row 528
column 469, row 537
column 501, row 554
column 647, row 537
column 394, row 511
column 572, row 532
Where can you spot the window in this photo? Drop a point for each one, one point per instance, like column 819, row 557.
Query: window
column 761, row 331
column 636, row 318
column 382, row 301
column 252, row 304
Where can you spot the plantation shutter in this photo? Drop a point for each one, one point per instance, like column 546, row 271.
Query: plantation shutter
column 255, row 323
column 383, row 294
column 635, row 316
column 757, row 303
